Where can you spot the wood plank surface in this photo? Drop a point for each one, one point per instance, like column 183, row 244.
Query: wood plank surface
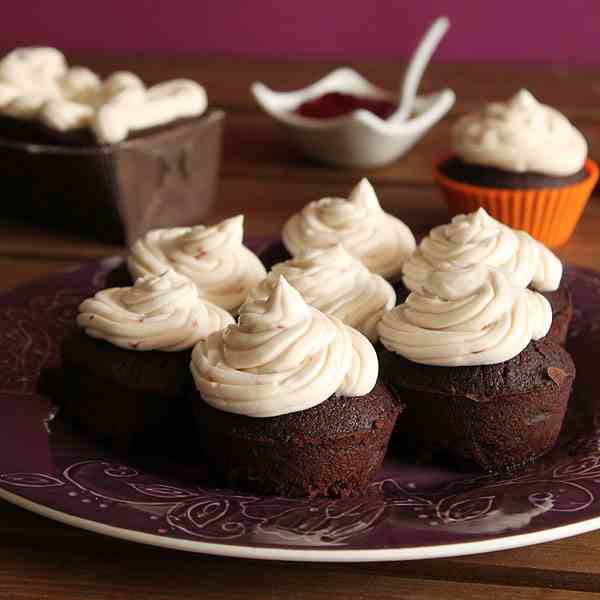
column 574, row 90
column 256, row 144
column 61, row 562
column 267, row 180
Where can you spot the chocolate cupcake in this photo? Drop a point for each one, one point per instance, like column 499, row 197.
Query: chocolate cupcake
column 110, row 157
column 379, row 240
column 562, row 312
column 466, row 356
column 337, row 284
column 476, row 239
column 457, row 169
column 522, row 161
column 126, row 372
column 288, row 401
column 214, row 258
column 517, row 144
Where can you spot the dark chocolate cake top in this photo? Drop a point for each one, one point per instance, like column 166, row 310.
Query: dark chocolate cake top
column 155, row 372
column 336, row 416
column 543, row 363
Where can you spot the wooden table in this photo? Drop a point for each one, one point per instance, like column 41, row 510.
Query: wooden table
column 267, row 180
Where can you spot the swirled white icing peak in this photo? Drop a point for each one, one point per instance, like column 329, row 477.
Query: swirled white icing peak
column 336, row 283
column 214, row 258
column 465, row 317
column 477, row 238
column 282, row 356
column 379, row 240
column 158, row 105
column 160, row 312
column 37, row 83
column 520, row 135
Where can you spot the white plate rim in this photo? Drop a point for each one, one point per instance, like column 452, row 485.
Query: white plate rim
column 307, row 555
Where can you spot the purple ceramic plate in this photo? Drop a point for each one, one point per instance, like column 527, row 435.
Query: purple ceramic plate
column 411, row 511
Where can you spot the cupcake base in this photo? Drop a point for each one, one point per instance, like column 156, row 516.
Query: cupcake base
column 562, row 313
column 119, row 277
column 495, row 417
column 332, row 449
column 274, row 254
column 401, row 290
column 124, row 398
column 458, row 170
column 549, row 211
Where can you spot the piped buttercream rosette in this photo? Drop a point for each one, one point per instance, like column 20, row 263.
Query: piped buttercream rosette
column 477, row 238
column 336, row 283
column 520, row 135
column 214, row 258
column 282, row 356
column 379, row 240
column 468, row 317
column 160, row 312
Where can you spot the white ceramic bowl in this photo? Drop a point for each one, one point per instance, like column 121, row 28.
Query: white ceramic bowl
column 360, row 138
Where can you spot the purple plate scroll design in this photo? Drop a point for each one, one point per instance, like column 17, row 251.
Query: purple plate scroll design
column 480, row 505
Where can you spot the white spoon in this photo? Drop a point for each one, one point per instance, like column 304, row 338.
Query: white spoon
column 416, row 67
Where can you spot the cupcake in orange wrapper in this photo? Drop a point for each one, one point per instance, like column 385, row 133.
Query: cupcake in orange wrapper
column 523, row 162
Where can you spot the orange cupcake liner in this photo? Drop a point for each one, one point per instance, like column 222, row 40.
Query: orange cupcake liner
column 548, row 214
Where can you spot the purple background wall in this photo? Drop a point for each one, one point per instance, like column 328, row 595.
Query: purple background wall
column 554, row 30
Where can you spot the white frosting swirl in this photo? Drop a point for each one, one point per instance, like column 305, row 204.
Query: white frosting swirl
column 337, row 284
column 477, row 238
column 520, row 135
column 158, row 105
column 37, row 83
column 214, row 258
column 32, row 75
column 462, row 318
column 379, row 240
column 283, row 356
column 158, row 313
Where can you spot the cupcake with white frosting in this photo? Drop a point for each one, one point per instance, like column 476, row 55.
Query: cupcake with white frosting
column 214, row 258
column 288, row 400
column 478, row 239
column 337, row 284
column 379, row 240
column 126, row 370
column 468, row 355
column 525, row 163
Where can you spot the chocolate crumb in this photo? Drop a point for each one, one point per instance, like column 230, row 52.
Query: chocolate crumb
column 557, row 375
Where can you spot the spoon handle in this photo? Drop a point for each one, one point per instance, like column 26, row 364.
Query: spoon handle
column 418, row 62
